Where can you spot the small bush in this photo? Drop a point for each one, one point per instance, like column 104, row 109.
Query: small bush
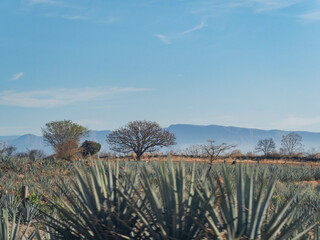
column 7, row 150
column 35, row 154
column 68, row 150
column 90, row 148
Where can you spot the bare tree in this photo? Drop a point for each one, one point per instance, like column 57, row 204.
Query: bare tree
column 193, row 151
column 291, row 143
column 266, row 146
column 236, row 153
column 7, row 150
column 140, row 137
column 313, row 153
column 213, row 151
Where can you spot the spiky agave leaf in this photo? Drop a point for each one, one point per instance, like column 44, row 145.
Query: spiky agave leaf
column 165, row 207
column 242, row 209
column 93, row 209
column 10, row 227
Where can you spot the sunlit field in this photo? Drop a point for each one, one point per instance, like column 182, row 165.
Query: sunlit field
column 159, row 198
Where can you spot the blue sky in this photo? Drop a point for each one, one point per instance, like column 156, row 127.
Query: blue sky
column 102, row 63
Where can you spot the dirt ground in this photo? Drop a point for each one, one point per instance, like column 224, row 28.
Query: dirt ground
column 226, row 160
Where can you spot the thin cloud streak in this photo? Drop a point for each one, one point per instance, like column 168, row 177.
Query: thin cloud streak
column 271, row 5
column 49, row 2
column 163, row 38
column 310, row 16
column 61, row 97
column 76, row 17
column 256, row 5
column 196, row 28
column 70, row 10
column 209, row 9
column 169, row 40
column 16, row 76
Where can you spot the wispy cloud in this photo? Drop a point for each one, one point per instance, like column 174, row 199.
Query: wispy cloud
column 270, row 5
column 49, row 2
column 71, row 17
column 76, row 17
column 256, row 5
column 208, row 9
column 61, row 97
column 70, row 10
column 310, row 16
column 163, row 38
column 16, row 76
column 169, row 39
column 196, row 28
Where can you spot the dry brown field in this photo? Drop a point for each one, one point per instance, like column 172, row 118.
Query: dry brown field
column 219, row 160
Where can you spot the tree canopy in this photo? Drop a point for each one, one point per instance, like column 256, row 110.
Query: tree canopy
column 266, row 146
column 140, row 137
column 64, row 136
column 291, row 143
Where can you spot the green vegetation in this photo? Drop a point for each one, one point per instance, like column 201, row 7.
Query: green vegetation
column 90, row 148
column 157, row 200
column 64, row 136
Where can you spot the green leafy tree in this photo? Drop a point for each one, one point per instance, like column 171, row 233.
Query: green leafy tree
column 64, row 137
column 90, row 148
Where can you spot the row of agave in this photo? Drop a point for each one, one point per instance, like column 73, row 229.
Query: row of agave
column 167, row 201
column 164, row 201
column 40, row 176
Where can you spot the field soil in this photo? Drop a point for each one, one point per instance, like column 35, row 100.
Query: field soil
column 220, row 160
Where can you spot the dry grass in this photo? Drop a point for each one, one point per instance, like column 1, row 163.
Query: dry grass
column 313, row 183
column 217, row 161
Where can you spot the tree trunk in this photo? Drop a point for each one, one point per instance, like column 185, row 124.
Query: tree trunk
column 138, row 157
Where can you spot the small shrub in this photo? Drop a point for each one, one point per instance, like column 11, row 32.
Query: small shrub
column 90, row 148
column 7, row 150
column 35, row 154
column 68, row 150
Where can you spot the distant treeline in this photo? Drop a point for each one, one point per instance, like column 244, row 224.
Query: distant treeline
column 275, row 157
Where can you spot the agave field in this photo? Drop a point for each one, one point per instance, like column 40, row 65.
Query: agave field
column 157, row 200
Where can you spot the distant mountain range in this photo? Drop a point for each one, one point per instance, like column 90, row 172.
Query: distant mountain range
column 244, row 138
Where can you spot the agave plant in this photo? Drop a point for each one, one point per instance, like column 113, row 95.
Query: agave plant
column 10, row 221
column 93, row 209
column 242, row 210
column 167, row 202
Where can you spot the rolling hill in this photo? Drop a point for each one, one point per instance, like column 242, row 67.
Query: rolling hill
column 187, row 134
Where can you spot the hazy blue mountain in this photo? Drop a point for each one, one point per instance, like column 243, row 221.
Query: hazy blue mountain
column 99, row 136
column 245, row 138
column 28, row 141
